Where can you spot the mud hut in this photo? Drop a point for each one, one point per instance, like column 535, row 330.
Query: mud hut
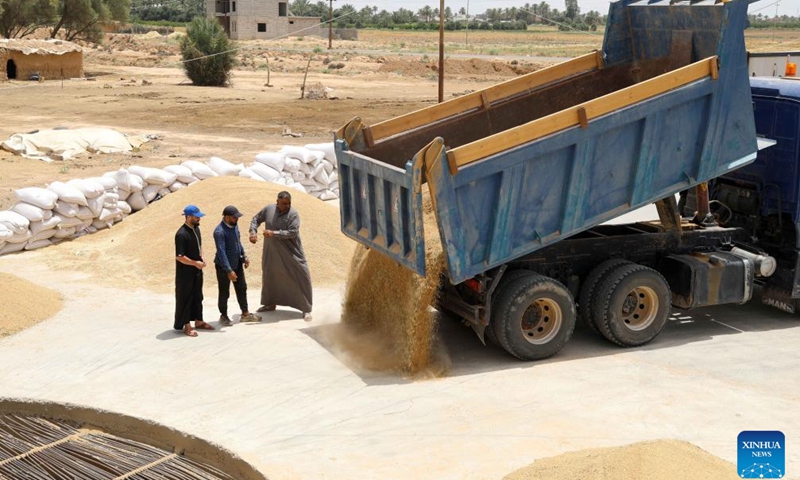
column 50, row 59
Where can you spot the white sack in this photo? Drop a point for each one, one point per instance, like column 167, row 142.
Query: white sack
column 66, row 209
column 43, row 235
column 38, row 227
column 68, row 222
column 137, row 201
column 67, row 193
column 266, row 172
column 301, row 153
column 124, row 207
column 121, row 177
column 292, row 165
column 248, row 173
column 5, row 233
column 88, row 188
column 184, row 173
column 96, row 205
column 329, row 167
column 64, row 232
column 109, row 214
column 85, row 214
column 328, row 195
column 199, row 170
column 31, row 212
column 177, row 186
column 109, row 184
column 224, row 168
column 14, row 221
column 270, row 159
column 123, row 194
column 326, row 148
column 100, row 224
column 150, row 193
column 298, row 176
column 153, row 176
column 20, row 237
column 12, row 248
column 298, row 186
column 38, row 244
column 136, row 183
column 40, row 197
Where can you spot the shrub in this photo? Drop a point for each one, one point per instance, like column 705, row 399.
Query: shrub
column 208, row 54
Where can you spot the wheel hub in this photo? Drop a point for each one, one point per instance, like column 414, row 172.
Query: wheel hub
column 541, row 321
column 639, row 309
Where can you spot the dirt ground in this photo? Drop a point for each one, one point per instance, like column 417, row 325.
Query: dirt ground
column 133, row 85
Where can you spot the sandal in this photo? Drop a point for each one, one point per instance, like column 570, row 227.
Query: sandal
column 203, row 326
column 189, row 331
column 266, row 308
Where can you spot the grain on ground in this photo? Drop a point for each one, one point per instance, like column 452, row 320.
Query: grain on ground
column 24, row 304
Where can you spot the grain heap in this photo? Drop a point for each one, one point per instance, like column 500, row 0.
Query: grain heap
column 655, row 460
column 18, row 312
column 140, row 251
column 388, row 307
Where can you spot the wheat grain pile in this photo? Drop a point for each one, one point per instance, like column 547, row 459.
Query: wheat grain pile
column 654, row 460
column 139, row 252
column 24, row 304
column 387, row 320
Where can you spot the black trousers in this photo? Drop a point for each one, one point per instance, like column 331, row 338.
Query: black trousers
column 240, row 286
column 188, row 297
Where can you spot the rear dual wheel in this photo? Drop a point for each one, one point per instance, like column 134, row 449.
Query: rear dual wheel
column 631, row 304
column 533, row 316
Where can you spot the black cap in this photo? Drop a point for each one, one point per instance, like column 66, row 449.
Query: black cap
column 232, row 211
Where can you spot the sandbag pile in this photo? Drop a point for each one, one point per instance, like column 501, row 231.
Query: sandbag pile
column 45, row 216
column 311, row 169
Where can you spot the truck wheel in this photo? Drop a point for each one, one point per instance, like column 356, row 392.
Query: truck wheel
column 589, row 286
column 488, row 333
column 631, row 305
column 534, row 317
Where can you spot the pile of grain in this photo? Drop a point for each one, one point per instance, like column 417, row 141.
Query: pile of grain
column 655, row 460
column 24, row 304
column 140, row 251
column 389, row 309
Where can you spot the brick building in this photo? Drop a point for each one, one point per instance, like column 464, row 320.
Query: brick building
column 261, row 19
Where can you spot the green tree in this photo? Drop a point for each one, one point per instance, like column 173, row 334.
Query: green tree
column 19, row 18
column 81, row 19
column 425, row 13
column 300, row 8
column 208, row 54
column 573, row 10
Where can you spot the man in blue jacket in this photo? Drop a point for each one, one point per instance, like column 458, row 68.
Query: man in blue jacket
column 230, row 262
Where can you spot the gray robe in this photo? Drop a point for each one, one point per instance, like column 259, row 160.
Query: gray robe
column 286, row 280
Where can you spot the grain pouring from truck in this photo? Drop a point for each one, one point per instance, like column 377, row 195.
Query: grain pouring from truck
column 522, row 176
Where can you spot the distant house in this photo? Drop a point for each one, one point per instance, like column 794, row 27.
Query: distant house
column 261, row 19
column 50, row 59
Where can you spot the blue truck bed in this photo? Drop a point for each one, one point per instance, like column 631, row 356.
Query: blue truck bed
column 521, row 165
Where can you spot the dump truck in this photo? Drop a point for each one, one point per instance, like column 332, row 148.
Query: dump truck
column 524, row 175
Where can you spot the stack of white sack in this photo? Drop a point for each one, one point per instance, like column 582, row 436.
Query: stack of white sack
column 311, row 169
column 62, row 210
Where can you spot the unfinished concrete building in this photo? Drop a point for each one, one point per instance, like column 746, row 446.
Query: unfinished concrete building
column 262, row 19
column 48, row 59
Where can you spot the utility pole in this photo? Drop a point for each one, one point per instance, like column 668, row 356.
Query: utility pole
column 441, row 51
column 466, row 34
column 330, row 27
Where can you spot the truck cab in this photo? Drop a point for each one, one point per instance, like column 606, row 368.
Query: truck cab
column 764, row 196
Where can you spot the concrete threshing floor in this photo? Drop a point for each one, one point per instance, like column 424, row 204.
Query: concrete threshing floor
column 276, row 396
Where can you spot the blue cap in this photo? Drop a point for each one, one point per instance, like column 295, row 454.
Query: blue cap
column 193, row 211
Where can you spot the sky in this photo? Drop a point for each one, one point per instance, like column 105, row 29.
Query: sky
column 766, row 7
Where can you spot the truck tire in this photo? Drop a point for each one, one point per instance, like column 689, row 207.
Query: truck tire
column 631, row 305
column 589, row 287
column 534, row 317
column 488, row 333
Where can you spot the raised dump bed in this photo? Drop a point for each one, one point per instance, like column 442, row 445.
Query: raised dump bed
column 523, row 164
